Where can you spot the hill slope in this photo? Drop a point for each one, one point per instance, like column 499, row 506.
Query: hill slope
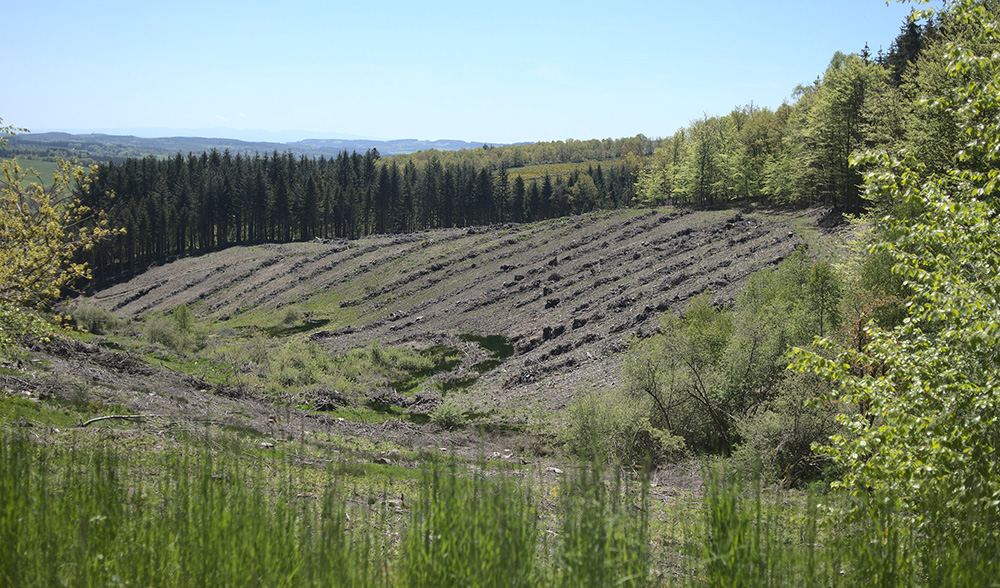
column 567, row 294
column 102, row 147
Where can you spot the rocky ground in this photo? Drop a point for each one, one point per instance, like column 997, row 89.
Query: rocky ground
column 569, row 294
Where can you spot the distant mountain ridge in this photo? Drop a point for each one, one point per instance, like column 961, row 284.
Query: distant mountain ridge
column 98, row 145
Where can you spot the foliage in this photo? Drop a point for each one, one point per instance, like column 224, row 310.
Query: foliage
column 94, row 319
column 710, row 369
column 759, row 537
column 291, row 316
column 42, row 232
column 923, row 442
column 179, row 205
column 777, row 442
column 604, row 539
column 609, row 425
column 448, row 416
column 19, row 327
column 183, row 318
column 177, row 332
column 95, row 517
column 470, row 531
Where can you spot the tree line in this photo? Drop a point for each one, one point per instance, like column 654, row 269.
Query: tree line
column 800, row 153
column 194, row 203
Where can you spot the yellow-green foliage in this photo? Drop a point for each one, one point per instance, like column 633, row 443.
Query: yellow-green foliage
column 41, row 233
column 616, row 426
column 178, row 331
column 534, row 172
column 924, row 440
column 18, row 327
column 94, row 319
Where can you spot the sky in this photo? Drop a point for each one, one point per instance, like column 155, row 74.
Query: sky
column 499, row 72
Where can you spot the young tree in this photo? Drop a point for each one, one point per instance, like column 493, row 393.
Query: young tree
column 42, row 230
column 926, row 441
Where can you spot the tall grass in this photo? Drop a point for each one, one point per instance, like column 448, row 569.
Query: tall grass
column 86, row 517
column 779, row 540
column 79, row 515
column 470, row 530
column 604, row 539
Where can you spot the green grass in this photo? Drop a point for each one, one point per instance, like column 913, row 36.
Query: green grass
column 442, row 358
column 79, row 511
column 44, row 170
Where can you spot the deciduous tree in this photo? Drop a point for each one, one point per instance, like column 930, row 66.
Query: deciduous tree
column 925, row 443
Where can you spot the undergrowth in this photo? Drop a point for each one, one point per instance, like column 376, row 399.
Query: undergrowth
column 90, row 514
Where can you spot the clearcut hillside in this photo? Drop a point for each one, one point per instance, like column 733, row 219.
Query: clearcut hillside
column 559, row 300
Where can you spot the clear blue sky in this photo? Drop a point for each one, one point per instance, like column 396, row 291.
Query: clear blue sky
column 478, row 71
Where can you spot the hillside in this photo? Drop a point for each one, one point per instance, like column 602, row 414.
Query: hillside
column 564, row 296
column 98, row 147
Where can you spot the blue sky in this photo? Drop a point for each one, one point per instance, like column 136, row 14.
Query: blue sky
column 477, row 71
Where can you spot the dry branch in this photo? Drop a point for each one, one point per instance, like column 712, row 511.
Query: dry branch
column 120, row 416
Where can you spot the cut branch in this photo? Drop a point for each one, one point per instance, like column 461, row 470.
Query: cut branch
column 120, row 416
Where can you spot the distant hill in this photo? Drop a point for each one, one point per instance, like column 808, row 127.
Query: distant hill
column 101, row 147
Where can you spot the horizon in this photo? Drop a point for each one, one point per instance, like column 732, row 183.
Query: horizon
column 245, row 135
column 512, row 73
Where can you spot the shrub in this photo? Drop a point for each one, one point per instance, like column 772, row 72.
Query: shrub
column 291, row 316
column 18, row 327
column 94, row 319
column 163, row 331
column 175, row 331
column 615, row 426
column 297, row 364
column 778, row 440
column 448, row 416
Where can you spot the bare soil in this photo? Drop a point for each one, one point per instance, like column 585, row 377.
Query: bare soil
column 569, row 294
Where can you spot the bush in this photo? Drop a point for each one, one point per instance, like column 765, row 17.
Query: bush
column 291, row 316
column 448, row 416
column 94, row 319
column 175, row 331
column 163, row 330
column 778, row 440
column 297, row 364
column 615, row 426
column 19, row 327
